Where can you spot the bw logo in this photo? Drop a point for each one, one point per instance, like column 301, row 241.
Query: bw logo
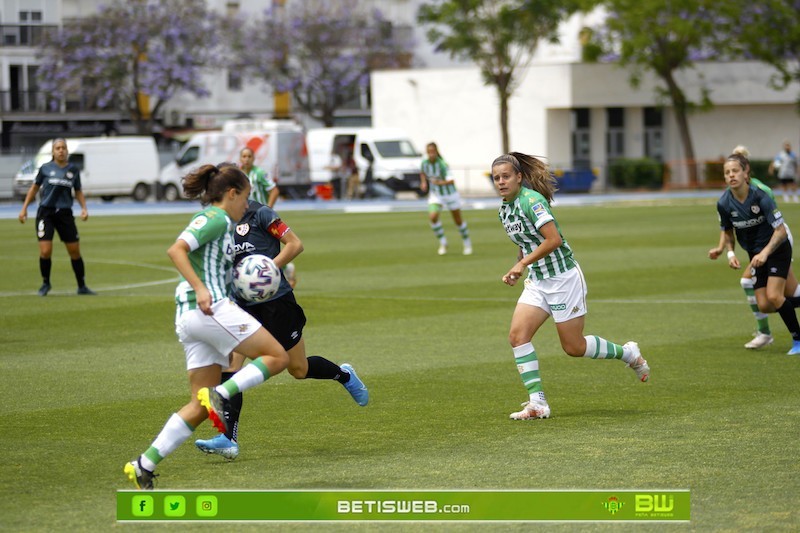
column 660, row 503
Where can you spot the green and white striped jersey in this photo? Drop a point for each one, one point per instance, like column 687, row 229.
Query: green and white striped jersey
column 437, row 170
column 210, row 239
column 522, row 218
column 260, row 185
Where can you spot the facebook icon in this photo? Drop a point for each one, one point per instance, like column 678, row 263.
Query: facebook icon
column 142, row 506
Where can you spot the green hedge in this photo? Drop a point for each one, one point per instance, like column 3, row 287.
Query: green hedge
column 636, row 173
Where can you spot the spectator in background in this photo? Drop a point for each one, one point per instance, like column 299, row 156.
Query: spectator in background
column 785, row 167
column 263, row 189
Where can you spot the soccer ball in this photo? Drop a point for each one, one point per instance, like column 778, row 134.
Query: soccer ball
column 256, row 278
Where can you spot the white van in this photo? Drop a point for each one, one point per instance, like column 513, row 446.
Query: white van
column 385, row 153
column 110, row 166
column 279, row 148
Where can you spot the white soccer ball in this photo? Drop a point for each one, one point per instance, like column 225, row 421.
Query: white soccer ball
column 256, row 278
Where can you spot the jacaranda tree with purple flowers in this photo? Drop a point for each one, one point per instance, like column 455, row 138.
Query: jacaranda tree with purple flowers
column 132, row 56
column 321, row 52
column 665, row 37
column 769, row 31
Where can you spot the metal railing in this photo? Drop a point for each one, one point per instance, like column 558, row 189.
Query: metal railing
column 24, row 34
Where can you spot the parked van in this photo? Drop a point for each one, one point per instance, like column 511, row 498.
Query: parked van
column 385, row 155
column 279, row 148
column 110, row 166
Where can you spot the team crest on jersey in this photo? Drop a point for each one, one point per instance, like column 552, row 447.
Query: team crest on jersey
column 539, row 210
column 755, row 209
column 69, row 175
column 243, row 229
column 199, row 222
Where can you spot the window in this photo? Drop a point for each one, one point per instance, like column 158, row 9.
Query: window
column 191, row 154
column 615, row 134
column 396, row 149
column 581, row 139
column 654, row 133
column 234, row 80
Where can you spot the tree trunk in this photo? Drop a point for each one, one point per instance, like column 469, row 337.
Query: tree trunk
column 682, row 118
column 504, row 118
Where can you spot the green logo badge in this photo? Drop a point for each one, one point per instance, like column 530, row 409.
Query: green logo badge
column 613, row 505
column 207, row 506
column 174, row 506
column 142, row 505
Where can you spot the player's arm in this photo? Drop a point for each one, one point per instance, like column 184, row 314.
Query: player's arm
column 292, row 245
column 23, row 213
column 552, row 240
column 82, row 201
column 274, row 193
column 778, row 236
column 423, row 182
column 179, row 254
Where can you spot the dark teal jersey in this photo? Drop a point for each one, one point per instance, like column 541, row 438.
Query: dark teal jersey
column 753, row 220
column 57, row 183
column 260, row 232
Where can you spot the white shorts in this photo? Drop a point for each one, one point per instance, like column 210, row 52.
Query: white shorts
column 562, row 296
column 450, row 201
column 209, row 340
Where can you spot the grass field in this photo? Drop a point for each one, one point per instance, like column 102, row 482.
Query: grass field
column 91, row 380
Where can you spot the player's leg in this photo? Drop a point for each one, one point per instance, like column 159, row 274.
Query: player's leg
column 177, row 429
column 525, row 322
column 227, row 444
column 455, row 210
column 68, row 232
column 44, row 233
column 318, row 367
column 774, row 294
column 763, row 335
column 434, row 209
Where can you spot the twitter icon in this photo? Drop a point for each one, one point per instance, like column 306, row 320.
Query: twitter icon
column 174, row 506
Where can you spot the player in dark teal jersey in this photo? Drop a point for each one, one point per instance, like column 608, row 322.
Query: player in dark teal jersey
column 261, row 231
column 554, row 283
column 209, row 325
column 763, row 336
column 56, row 180
column 750, row 214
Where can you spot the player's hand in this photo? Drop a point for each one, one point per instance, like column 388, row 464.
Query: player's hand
column 513, row 275
column 23, row 216
column 203, row 298
column 714, row 253
column 84, row 214
column 758, row 260
column 734, row 263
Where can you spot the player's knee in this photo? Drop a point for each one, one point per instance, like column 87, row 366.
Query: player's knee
column 517, row 338
column 574, row 349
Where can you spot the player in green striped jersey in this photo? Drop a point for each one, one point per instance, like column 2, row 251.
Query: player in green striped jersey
column 262, row 189
column 209, row 325
column 442, row 193
column 763, row 336
column 554, row 283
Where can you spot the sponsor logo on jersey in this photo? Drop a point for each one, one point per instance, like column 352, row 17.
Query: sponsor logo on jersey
column 539, row 210
column 558, row 307
column 199, row 222
column 575, row 309
column 243, row 229
column 514, row 227
column 244, row 248
column 748, row 223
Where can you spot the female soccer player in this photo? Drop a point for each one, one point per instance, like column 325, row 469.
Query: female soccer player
column 763, row 336
column 57, row 179
column 554, row 284
column 442, row 193
column 209, row 325
column 261, row 231
column 262, row 189
column 759, row 227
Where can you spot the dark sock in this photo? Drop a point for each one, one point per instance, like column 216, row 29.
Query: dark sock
column 236, row 410
column 45, row 265
column 77, row 267
column 321, row 368
column 790, row 319
column 794, row 300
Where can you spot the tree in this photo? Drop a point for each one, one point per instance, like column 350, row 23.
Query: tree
column 320, row 51
column 665, row 38
column 131, row 56
column 769, row 31
column 500, row 36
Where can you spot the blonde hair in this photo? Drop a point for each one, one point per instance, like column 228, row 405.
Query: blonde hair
column 742, row 150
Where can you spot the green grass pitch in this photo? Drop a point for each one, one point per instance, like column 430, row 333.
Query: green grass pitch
column 89, row 381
